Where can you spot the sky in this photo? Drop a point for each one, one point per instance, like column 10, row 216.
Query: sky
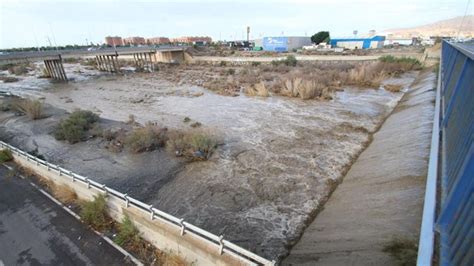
column 39, row 23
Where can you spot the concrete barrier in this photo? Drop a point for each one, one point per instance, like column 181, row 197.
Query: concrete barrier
column 163, row 230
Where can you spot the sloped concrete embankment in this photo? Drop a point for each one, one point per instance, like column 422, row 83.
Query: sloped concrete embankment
column 381, row 196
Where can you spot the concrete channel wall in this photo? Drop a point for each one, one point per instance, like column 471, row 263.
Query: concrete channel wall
column 163, row 230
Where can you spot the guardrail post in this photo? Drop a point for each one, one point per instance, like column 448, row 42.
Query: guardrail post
column 221, row 243
column 183, row 227
column 73, row 177
column 47, row 166
column 88, row 183
column 105, row 189
column 127, row 201
column 152, row 213
column 59, row 170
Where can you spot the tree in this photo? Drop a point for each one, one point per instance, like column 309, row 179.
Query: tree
column 322, row 36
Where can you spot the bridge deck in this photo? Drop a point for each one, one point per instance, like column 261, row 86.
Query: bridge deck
column 48, row 55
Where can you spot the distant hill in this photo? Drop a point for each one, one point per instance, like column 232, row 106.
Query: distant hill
column 449, row 27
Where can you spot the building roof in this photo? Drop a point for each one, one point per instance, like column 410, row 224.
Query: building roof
column 374, row 38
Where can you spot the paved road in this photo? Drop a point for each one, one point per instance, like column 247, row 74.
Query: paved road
column 381, row 196
column 36, row 231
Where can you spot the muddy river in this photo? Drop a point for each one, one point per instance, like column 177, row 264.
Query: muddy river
column 279, row 159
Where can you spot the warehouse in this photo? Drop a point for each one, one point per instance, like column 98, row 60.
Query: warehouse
column 283, row 44
column 359, row 43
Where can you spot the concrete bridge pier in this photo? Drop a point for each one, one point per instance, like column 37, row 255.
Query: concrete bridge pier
column 108, row 63
column 55, row 68
column 145, row 60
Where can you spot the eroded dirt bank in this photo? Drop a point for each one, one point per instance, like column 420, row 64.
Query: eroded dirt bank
column 280, row 157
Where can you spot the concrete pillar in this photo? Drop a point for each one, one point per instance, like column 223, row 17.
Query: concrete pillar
column 61, row 68
column 115, row 63
column 54, row 69
column 141, row 60
column 106, row 61
column 135, row 59
column 97, row 62
column 48, row 69
column 146, row 62
column 104, row 65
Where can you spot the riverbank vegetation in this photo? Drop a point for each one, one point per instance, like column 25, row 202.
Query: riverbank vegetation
column 289, row 77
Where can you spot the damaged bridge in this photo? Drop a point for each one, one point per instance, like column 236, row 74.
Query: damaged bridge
column 106, row 59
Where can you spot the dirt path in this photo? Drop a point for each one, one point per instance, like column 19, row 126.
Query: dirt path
column 382, row 194
column 300, row 58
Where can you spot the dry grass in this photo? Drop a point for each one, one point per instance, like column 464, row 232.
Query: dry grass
column 305, row 89
column 8, row 79
column 28, row 172
column 64, row 194
column 31, row 108
column 366, row 75
column 170, row 259
column 393, row 87
column 320, row 79
column 258, row 89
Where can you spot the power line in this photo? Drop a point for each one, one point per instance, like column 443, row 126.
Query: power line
column 462, row 21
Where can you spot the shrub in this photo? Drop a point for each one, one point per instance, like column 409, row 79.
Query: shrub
column 32, row 108
column 146, row 138
column 230, row 71
column 398, row 65
column 94, row 213
column 76, row 126
column 193, row 145
column 128, row 234
column 255, row 64
column 5, row 155
column 290, row 61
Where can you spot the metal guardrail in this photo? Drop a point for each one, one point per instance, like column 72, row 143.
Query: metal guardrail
column 222, row 245
column 454, row 128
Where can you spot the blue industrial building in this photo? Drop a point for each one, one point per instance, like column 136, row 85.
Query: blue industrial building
column 284, row 44
column 359, row 43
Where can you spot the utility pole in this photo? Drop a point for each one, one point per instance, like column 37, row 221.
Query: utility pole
column 248, row 33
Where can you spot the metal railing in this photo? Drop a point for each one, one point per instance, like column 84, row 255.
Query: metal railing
column 222, row 246
column 453, row 128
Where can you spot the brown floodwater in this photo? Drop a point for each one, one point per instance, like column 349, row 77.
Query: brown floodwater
column 279, row 159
